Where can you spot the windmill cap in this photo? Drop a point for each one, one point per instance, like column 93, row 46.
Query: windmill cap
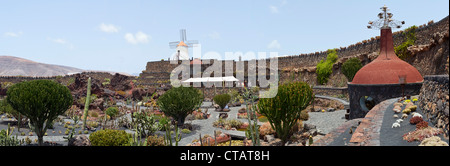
column 182, row 44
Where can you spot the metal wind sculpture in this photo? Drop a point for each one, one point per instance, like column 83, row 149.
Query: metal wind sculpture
column 385, row 20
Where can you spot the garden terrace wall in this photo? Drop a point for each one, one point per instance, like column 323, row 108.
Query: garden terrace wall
column 331, row 91
column 379, row 93
column 434, row 101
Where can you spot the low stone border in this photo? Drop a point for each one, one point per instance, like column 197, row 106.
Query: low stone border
column 368, row 132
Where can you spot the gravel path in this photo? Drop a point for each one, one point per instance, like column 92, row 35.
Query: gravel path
column 205, row 126
column 326, row 121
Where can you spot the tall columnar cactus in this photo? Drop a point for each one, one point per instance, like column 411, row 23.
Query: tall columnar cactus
column 86, row 104
column 253, row 128
column 284, row 110
column 135, row 140
column 177, row 135
column 168, row 136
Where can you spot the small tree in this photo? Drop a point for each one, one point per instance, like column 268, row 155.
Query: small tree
column 180, row 102
column 325, row 68
column 41, row 101
column 351, row 67
column 285, row 109
column 402, row 49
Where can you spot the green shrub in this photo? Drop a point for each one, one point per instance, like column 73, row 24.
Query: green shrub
column 222, row 100
column 109, row 137
column 180, row 102
column 112, row 111
column 285, row 109
column 155, row 140
column 351, row 67
column 41, row 101
column 186, row 131
column 401, row 50
column 325, row 68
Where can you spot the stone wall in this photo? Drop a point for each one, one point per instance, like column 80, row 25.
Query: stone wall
column 379, row 93
column 340, row 92
column 434, row 101
column 429, row 57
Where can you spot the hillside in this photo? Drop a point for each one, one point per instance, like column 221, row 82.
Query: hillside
column 15, row 66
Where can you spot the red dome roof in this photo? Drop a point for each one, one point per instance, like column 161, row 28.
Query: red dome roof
column 387, row 68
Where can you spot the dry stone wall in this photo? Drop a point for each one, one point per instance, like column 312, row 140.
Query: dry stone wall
column 434, row 101
column 429, row 58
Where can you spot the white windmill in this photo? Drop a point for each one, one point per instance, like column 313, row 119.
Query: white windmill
column 182, row 46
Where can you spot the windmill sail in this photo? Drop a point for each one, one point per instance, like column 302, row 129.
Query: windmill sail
column 173, row 45
column 189, row 43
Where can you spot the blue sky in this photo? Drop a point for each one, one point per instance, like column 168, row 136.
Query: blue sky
column 124, row 35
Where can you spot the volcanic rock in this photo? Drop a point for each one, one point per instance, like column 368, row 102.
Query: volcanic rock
column 120, row 82
column 79, row 140
column 79, row 86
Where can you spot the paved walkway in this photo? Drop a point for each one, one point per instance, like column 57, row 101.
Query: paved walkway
column 375, row 129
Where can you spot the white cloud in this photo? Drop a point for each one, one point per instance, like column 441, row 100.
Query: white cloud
column 273, row 9
column 13, row 34
column 274, row 44
column 283, row 2
column 61, row 41
column 109, row 28
column 214, row 35
column 139, row 37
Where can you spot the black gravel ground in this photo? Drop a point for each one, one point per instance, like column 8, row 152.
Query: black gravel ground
column 394, row 136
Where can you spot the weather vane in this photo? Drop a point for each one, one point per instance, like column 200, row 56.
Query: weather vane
column 385, row 20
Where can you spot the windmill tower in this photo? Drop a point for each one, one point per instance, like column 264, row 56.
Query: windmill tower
column 181, row 47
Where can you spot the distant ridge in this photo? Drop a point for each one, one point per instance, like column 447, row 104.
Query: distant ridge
column 15, row 66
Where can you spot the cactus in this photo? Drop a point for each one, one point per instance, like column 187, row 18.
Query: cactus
column 70, row 136
column 136, row 139
column 168, row 136
column 177, row 134
column 7, row 140
column 201, row 142
column 253, row 128
column 86, row 104
column 284, row 110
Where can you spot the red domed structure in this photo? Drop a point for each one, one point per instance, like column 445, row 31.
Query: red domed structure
column 387, row 68
column 385, row 77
